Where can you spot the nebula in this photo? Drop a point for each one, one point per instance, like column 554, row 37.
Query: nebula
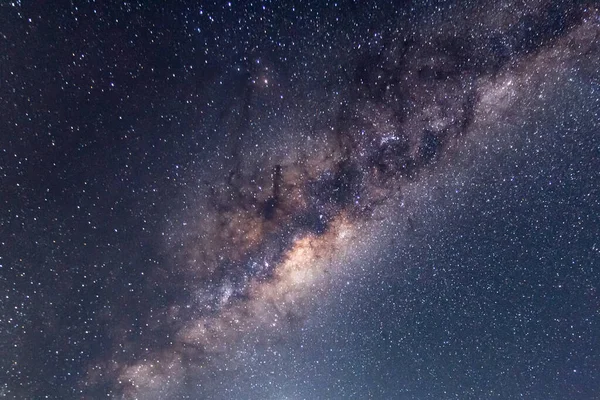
column 263, row 236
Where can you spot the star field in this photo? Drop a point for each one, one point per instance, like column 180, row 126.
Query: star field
column 310, row 200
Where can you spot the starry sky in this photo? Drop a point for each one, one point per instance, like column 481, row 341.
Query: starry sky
column 299, row 200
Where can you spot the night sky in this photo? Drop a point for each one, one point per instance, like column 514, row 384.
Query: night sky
column 312, row 200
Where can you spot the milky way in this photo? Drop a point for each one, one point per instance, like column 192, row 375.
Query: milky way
column 310, row 161
column 265, row 235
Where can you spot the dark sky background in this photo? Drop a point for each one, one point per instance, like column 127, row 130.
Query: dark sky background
column 320, row 200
